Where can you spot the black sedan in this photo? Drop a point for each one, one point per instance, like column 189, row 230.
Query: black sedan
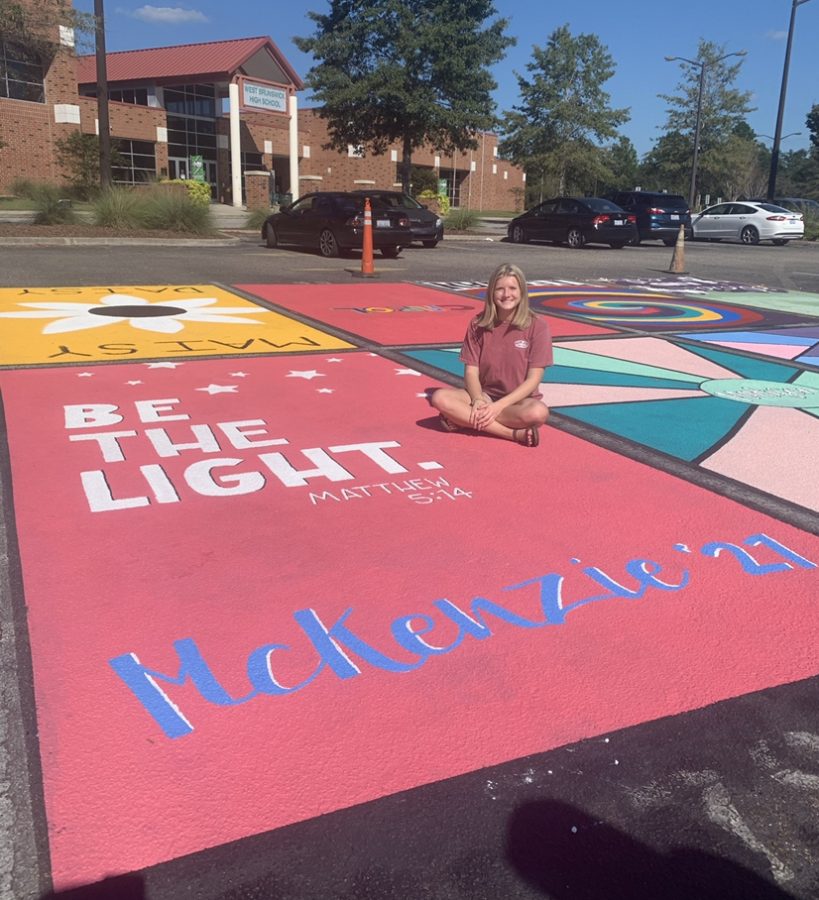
column 333, row 223
column 575, row 221
column 426, row 226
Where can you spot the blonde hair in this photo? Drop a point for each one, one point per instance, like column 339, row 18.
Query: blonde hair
column 523, row 314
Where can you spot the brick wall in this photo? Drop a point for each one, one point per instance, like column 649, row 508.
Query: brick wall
column 494, row 185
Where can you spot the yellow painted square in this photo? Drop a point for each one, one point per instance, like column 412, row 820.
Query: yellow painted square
column 91, row 324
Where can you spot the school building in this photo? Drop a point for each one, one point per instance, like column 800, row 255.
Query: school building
column 226, row 112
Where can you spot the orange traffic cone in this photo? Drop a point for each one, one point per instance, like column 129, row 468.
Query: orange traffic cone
column 678, row 258
column 367, row 267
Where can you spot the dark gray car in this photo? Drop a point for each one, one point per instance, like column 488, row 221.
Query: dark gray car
column 426, row 226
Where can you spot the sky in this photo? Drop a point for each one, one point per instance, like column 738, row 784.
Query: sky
column 637, row 33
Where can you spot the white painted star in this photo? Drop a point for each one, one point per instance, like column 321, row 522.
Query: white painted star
column 133, row 382
column 407, row 372
column 308, row 374
column 334, row 359
column 219, row 389
column 324, row 391
column 85, row 374
column 238, row 374
column 163, row 365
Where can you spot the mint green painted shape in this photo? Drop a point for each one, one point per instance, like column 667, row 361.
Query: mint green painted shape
column 764, row 393
column 791, row 301
column 745, row 366
column 578, row 359
column 811, row 379
column 684, row 428
column 566, row 375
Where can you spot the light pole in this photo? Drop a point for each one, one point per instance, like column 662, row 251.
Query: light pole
column 781, row 112
column 102, row 97
column 784, row 137
column 702, row 63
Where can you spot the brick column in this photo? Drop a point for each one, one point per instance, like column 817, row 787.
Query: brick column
column 257, row 190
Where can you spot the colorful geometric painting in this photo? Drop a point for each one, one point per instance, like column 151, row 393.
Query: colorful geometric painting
column 797, row 344
column 84, row 324
column 644, row 309
column 748, row 419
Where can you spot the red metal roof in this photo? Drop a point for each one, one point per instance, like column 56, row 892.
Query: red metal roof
column 218, row 59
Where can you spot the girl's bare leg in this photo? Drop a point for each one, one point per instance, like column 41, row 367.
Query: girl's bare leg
column 456, row 405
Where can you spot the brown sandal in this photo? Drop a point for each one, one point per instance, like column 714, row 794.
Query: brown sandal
column 531, row 436
column 447, row 425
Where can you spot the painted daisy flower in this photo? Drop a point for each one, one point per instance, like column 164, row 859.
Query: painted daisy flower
column 167, row 317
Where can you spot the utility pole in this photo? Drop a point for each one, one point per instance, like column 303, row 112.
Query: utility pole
column 781, row 112
column 102, row 98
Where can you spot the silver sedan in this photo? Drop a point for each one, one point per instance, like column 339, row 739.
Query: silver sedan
column 748, row 222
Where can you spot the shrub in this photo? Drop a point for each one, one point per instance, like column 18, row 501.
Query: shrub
column 79, row 154
column 120, row 207
column 441, row 199
column 24, row 187
column 198, row 191
column 175, row 211
column 256, row 218
column 461, row 220
column 50, row 208
column 811, row 227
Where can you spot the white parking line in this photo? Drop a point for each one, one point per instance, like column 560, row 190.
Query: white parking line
column 809, row 274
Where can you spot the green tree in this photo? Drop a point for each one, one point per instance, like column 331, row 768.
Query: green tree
column 79, row 155
column 724, row 109
column 812, row 121
column 416, row 73
column 564, row 114
column 622, row 161
column 667, row 166
column 33, row 24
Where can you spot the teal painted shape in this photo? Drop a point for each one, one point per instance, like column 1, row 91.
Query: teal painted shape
column 441, row 359
column 681, row 428
column 570, row 375
column 744, row 366
column 449, row 362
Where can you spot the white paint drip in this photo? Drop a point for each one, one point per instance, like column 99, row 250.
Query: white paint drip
column 803, row 740
column 722, row 812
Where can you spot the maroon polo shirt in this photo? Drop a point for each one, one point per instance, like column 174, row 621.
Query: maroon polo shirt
column 505, row 353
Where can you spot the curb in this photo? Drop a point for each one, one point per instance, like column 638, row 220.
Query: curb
column 129, row 242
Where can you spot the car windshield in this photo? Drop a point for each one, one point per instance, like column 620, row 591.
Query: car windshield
column 598, row 204
column 770, row 207
column 668, row 201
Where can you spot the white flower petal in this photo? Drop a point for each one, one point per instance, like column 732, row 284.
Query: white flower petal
column 60, row 306
column 37, row 314
column 206, row 317
column 165, row 326
column 76, row 323
column 122, row 299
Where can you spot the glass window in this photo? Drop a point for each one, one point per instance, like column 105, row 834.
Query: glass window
column 721, row 210
column 138, row 162
column 21, row 73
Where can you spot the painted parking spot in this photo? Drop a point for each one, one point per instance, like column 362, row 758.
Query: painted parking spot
column 273, row 590
column 59, row 325
column 394, row 314
column 752, row 420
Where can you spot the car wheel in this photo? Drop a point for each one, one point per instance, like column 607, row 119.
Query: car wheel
column 575, row 239
column 749, row 235
column 270, row 236
column 328, row 245
column 518, row 235
column 390, row 251
column 617, row 245
column 430, row 244
column 779, row 242
column 669, row 242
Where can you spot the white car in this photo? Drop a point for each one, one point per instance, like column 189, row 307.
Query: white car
column 748, row 222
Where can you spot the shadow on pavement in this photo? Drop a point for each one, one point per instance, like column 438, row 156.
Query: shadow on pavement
column 122, row 887
column 565, row 853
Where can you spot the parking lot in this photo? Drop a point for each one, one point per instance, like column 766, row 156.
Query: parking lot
column 457, row 258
